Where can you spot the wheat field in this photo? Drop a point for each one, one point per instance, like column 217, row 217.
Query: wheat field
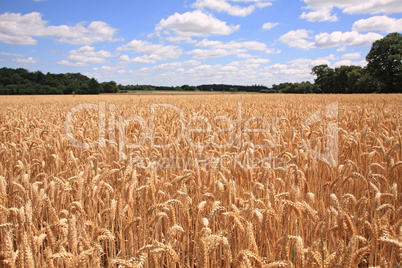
column 225, row 180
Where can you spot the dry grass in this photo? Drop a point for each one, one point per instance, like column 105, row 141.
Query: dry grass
column 63, row 206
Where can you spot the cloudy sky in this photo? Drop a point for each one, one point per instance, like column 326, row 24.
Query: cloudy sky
column 176, row 42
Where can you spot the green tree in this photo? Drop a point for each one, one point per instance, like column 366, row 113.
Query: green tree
column 325, row 77
column 109, row 87
column 345, row 79
column 17, row 79
column 385, row 62
column 94, row 86
column 70, row 88
column 84, row 89
column 367, row 84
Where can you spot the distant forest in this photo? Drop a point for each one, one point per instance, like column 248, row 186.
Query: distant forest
column 383, row 74
column 345, row 79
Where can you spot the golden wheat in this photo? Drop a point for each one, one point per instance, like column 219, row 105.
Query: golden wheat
column 214, row 197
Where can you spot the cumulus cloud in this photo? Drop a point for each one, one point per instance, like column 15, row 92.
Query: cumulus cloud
column 181, row 39
column 11, row 54
column 250, row 64
column 249, row 71
column 302, row 39
column 19, row 29
column 109, row 71
column 88, row 54
column 141, row 46
column 74, row 64
column 337, row 38
column 214, row 49
column 195, row 23
column 24, row 60
column 378, row 23
column 295, row 70
column 141, row 59
column 154, row 52
column 84, row 55
column 174, row 65
column 356, row 6
column 297, row 39
column 17, row 40
column 241, row 72
column 347, row 62
column 236, row 72
column 249, row 45
column 269, row 25
column 244, row 55
column 234, row 10
column 96, row 31
column 319, row 15
column 351, row 56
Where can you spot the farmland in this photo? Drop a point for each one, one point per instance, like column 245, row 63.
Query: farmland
column 231, row 180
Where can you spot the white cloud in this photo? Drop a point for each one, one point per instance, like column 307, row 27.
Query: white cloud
column 84, row 55
column 140, row 71
column 173, row 65
column 181, row 39
column 30, row 24
column 234, row 10
column 97, row 31
column 195, row 23
column 141, row 59
column 214, row 53
column 341, row 49
column 236, row 72
column 297, row 39
column 373, row 6
column 378, row 23
column 301, row 39
column 319, row 15
column 110, row 71
column 17, row 40
column 296, row 70
column 88, row 54
column 242, row 72
column 244, row 55
column 156, row 52
column 11, row 54
column 249, row 45
column 19, row 29
column 351, row 56
column 347, row 62
column 337, row 38
column 26, row 60
column 253, row 63
column 269, row 25
column 215, row 49
column 93, row 75
column 141, row 46
column 357, row 6
column 74, row 64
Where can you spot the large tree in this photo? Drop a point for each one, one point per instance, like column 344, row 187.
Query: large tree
column 325, row 78
column 385, row 62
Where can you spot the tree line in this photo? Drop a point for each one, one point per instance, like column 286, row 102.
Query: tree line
column 21, row 82
column 341, row 80
column 383, row 74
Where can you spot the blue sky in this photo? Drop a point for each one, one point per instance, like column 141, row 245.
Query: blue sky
column 176, row 42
